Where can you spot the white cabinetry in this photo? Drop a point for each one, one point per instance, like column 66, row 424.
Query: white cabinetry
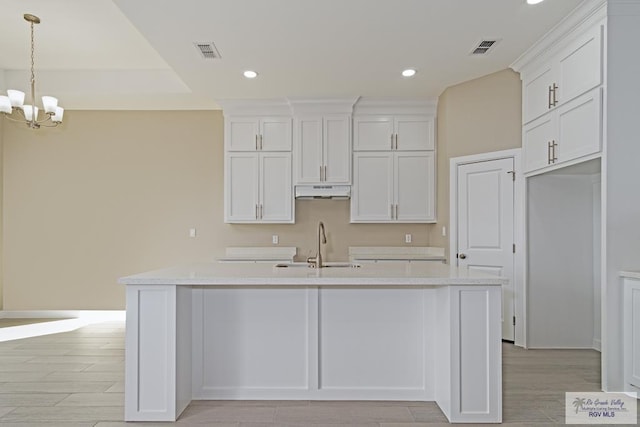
column 323, row 149
column 247, row 133
column 574, row 69
column 570, row 132
column 632, row 331
column 384, row 133
column 393, row 187
column 258, row 187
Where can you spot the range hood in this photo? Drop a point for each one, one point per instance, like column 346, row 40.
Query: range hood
column 323, row 191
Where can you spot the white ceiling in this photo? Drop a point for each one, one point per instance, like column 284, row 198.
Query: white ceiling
column 126, row 54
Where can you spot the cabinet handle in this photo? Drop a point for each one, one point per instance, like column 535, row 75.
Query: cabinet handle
column 549, row 98
column 553, row 151
column 396, row 213
column 261, row 142
column 320, row 173
column 555, row 91
column 256, row 211
column 391, row 208
column 325, row 172
column 549, row 152
column 261, row 211
column 392, row 141
column 256, row 142
column 396, row 141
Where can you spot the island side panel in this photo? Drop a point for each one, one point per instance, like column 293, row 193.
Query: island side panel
column 471, row 339
column 150, row 347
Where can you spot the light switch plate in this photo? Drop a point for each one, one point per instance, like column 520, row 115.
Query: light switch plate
column 192, row 232
column 407, row 238
column 275, row 239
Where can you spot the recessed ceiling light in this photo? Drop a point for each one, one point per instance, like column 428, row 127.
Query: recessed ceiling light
column 534, row 1
column 250, row 74
column 409, row 72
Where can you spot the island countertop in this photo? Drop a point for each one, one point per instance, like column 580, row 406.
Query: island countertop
column 221, row 274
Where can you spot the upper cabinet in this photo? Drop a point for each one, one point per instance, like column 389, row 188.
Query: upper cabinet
column 572, row 71
column 394, row 176
column 248, row 133
column 400, row 132
column 562, row 109
column 322, row 149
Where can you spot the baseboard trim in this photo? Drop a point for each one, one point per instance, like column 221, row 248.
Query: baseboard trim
column 92, row 315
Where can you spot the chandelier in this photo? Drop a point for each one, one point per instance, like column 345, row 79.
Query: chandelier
column 14, row 102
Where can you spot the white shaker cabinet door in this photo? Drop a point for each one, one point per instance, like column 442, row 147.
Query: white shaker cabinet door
column 337, row 150
column 308, row 150
column 580, row 65
column 579, row 127
column 372, row 198
column 414, row 186
column 414, row 133
column 373, row 133
column 276, row 196
column 241, row 187
column 537, row 92
column 241, row 134
column 275, row 134
column 538, row 138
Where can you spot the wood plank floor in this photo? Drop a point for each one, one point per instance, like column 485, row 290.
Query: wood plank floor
column 76, row 379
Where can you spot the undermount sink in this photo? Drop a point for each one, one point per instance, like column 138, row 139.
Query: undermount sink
column 325, row 265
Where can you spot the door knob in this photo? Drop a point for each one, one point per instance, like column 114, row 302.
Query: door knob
column 462, row 256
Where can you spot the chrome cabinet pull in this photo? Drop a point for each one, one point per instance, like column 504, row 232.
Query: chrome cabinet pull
column 396, row 141
column 325, row 172
column 396, row 213
column 549, row 98
column 261, row 147
column 256, row 211
column 391, row 208
column 392, row 141
column 555, row 91
column 261, row 213
column 320, row 173
column 554, row 158
column 549, row 152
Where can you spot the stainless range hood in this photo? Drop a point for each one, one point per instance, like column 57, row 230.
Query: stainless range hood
column 323, row 192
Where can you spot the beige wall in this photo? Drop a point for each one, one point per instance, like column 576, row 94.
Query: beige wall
column 1, row 187
column 112, row 193
column 115, row 193
column 474, row 117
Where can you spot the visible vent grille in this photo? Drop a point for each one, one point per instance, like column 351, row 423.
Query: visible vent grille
column 484, row 47
column 208, row 50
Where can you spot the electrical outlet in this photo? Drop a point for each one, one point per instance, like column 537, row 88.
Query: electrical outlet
column 275, row 239
column 192, row 232
column 407, row 238
column 444, row 231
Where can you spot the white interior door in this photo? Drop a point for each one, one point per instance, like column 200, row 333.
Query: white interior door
column 485, row 226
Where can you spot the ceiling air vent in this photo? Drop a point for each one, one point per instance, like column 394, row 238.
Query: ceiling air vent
column 484, row 47
column 207, row 50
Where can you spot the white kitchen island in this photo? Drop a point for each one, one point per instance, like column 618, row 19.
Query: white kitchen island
column 421, row 332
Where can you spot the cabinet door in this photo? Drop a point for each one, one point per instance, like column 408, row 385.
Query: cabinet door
column 579, row 127
column 372, row 197
column 241, row 134
column 414, row 186
column 536, row 94
column 536, row 137
column 414, row 133
column 276, row 196
column 337, row 149
column 275, row 134
column 308, row 150
column 373, row 133
column 580, row 65
column 241, row 187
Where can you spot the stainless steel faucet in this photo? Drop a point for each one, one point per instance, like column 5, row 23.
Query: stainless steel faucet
column 322, row 238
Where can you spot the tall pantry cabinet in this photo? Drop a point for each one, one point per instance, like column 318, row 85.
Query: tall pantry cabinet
column 580, row 86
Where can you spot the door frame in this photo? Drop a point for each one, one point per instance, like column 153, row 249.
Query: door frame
column 519, row 221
